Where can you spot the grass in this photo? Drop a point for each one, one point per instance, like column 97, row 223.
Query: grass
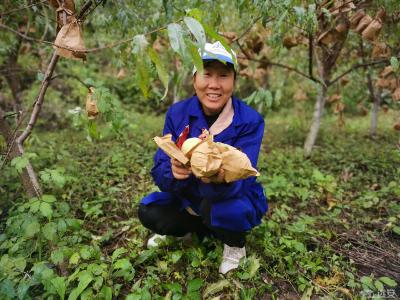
column 331, row 219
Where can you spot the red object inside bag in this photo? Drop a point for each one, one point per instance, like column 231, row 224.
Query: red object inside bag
column 182, row 137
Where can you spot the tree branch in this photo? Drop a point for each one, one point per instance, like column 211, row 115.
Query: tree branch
column 247, row 30
column 111, row 45
column 310, row 54
column 270, row 63
column 362, row 65
column 39, row 100
column 71, row 76
column 21, row 8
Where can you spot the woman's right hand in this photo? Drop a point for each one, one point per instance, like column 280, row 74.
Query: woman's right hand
column 179, row 170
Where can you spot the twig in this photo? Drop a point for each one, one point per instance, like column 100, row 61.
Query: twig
column 21, row 8
column 10, row 114
column 111, row 45
column 85, row 11
column 24, row 36
column 357, row 66
column 71, row 76
column 284, row 67
column 247, row 30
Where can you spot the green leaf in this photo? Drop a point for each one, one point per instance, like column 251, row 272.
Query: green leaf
column 84, row 279
column 175, row 287
column 195, row 55
column 117, row 253
column 123, row 264
column 195, row 13
column 49, row 198
column 176, row 256
column 367, row 281
column 34, row 205
column 32, row 228
column 379, row 285
column 58, row 178
column 57, row 256
column 195, row 285
column 162, row 73
column 215, row 288
column 85, row 252
column 49, row 231
column 92, row 130
column 23, row 288
column 197, row 30
column 20, row 263
column 46, row 210
column 395, row 63
column 396, row 230
column 20, row 162
column 74, row 259
column 139, row 44
column 106, row 293
column 39, row 76
column 176, row 38
column 269, row 99
column 45, row 176
column 388, row 281
column 254, row 265
column 143, row 77
column 59, row 285
column 7, row 289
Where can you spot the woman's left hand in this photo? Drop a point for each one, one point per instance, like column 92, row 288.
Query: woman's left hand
column 217, row 178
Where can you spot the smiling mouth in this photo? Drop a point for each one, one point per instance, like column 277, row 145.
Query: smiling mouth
column 214, row 96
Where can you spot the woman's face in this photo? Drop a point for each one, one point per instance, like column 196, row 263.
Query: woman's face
column 214, row 86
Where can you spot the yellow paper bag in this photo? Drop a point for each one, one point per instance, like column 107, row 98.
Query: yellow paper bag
column 168, row 146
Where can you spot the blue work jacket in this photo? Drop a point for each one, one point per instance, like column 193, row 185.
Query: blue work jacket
column 236, row 206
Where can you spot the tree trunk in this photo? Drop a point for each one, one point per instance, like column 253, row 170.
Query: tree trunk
column 326, row 57
column 28, row 175
column 316, row 121
column 39, row 100
column 374, row 95
column 374, row 112
column 13, row 79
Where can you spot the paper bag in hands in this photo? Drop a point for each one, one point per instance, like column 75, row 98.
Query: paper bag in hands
column 168, row 146
column 206, row 159
column 235, row 163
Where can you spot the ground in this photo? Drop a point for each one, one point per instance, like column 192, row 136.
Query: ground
column 332, row 229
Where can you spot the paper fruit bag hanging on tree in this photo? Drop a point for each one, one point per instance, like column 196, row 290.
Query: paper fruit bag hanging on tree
column 70, row 36
column 91, row 105
column 61, row 7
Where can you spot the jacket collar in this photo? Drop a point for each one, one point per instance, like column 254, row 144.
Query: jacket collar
column 195, row 109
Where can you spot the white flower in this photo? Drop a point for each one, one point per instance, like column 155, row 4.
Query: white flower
column 75, row 110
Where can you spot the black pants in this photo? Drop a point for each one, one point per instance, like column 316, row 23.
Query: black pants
column 169, row 220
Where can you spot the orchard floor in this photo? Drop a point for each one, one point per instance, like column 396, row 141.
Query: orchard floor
column 332, row 230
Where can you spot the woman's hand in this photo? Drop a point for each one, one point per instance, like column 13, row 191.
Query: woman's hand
column 217, row 178
column 179, row 170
